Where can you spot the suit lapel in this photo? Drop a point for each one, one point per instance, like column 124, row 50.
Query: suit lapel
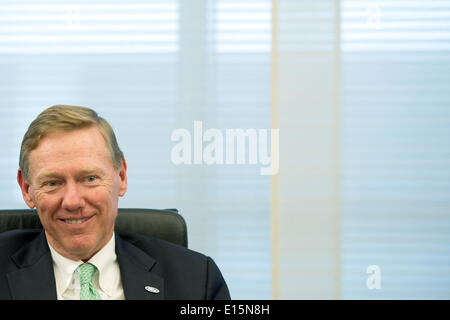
column 34, row 278
column 135, row 270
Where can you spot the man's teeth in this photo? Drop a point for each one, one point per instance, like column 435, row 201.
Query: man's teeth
column 73, row 221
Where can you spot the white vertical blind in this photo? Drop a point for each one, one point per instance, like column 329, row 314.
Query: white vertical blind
column 308, row 196
column 151, row 67
column 396, row 148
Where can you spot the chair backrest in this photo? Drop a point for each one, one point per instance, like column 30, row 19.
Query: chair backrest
column 165, row 224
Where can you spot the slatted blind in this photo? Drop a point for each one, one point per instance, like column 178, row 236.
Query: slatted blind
column 150, row 67
column 96, row 27
column 396, row 148
column 242, row 100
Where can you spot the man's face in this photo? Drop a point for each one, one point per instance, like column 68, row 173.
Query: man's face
column 75, row 189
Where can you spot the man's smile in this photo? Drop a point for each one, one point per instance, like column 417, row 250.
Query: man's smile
column 75, row 220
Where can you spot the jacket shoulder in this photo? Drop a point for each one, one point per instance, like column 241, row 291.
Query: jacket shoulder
column 13, row 240
column 155, row 246
column 188, row 273
column 10, row 243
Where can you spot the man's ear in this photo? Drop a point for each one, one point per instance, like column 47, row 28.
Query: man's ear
column 123, row 178
column 25, row 187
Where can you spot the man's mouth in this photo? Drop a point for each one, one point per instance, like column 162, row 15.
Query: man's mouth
column 75, row 221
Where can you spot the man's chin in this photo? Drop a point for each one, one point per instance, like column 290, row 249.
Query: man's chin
column 82, row 251
column 76, row 247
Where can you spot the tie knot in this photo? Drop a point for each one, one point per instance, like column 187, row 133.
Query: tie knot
column 86, row 271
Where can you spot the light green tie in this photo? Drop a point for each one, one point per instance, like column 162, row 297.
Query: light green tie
column 87, row 290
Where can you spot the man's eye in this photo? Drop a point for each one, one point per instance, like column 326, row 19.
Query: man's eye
column 50, row 184
column 91, row 179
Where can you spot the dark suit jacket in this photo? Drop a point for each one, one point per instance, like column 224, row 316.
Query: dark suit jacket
column 26, row 268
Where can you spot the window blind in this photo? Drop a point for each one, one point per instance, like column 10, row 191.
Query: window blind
column 395, row 148
column 151, row 67
column 241, row 81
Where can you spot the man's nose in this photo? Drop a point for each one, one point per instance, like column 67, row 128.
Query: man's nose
column 73, row 198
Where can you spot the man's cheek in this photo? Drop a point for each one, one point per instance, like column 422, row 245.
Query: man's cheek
column 45, row 203
column 98, row 197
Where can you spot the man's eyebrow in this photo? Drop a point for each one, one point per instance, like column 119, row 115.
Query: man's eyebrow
column 82, row 172
column 91, row 171
column 47, row 175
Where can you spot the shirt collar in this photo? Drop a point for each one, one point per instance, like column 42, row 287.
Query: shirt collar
column 63, row 268
column 104, row 261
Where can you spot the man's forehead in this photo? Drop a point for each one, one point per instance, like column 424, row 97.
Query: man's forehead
column 89, row 140
column 90, row 133
column 81, row 149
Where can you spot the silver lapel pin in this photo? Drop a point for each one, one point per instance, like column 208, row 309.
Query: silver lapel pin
column 152, row 289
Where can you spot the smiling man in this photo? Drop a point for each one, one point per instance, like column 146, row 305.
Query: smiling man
column 73, row 172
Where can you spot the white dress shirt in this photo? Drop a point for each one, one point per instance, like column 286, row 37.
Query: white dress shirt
column 106, row 280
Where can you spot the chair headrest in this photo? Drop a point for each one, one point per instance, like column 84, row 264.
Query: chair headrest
column 165, row 224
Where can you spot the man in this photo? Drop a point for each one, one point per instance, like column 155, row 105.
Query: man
column 73, row 172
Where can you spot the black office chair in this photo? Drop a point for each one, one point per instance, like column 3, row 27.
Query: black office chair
column 165, row 224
